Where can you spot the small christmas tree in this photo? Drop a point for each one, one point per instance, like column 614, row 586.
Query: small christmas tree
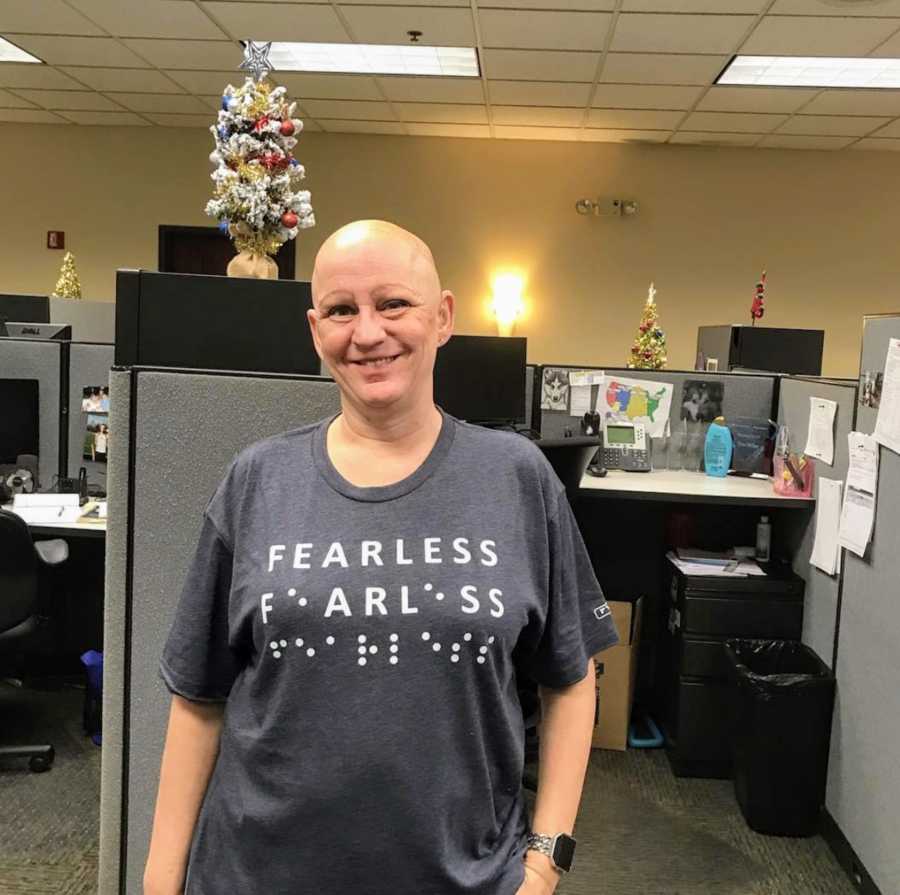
column 649, row 349
column 67, row 286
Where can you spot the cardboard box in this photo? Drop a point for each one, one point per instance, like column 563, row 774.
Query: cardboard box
column 616, row 676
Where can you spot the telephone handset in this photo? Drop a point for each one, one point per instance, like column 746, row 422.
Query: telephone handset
column 625, row 447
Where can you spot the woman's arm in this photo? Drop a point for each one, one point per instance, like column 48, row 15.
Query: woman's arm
column 192, row 744
column 567, row 721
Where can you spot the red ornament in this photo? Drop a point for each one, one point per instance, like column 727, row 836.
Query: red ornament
column 287, row 127
column 271, row 161
column 648, row 354
column 261, row 123
column 289, row 219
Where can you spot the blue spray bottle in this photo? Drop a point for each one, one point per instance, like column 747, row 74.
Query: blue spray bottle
column 718, row 449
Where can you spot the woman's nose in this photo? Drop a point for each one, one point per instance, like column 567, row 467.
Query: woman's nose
column 368, row 329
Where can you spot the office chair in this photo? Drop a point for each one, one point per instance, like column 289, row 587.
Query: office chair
column 20, row 562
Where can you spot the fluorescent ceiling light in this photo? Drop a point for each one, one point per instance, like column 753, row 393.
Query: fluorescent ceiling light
column 375, row 59
column 812, row 71
column 11, row 53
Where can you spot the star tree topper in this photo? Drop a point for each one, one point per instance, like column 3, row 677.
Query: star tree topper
column 256, row 59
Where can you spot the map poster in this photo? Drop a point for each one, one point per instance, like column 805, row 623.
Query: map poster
column 636, row 401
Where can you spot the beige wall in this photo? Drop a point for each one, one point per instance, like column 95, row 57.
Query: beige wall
column 824, row 224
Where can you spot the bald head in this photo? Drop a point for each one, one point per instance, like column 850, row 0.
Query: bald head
column 376, row 244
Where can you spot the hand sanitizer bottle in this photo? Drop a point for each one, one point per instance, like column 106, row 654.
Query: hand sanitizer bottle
column 718, row 449
column 763, row 539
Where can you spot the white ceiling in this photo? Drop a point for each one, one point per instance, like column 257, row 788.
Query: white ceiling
column 595, row 70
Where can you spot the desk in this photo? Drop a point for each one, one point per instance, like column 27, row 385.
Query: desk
column 681, row 486
column 76, row 529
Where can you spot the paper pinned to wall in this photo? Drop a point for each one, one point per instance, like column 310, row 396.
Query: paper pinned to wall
column 586, row 377
column 820, row 438
column 826, row 552
column 887, row 426
column 579, row 399
column 858, row 509
column 636, row 401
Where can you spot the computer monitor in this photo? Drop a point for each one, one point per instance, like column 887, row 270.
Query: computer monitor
column 19, row 419
column 27, row 330
column 481, row 379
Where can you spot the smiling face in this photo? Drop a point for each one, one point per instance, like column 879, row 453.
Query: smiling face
column 379, row 316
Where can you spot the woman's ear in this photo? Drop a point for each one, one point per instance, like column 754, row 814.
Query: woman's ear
column 445, row 317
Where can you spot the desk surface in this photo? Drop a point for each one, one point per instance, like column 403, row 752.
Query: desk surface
column 680, row 486
column 62, row 529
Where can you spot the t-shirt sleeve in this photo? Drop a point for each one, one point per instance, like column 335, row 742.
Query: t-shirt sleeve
column 197, row 661
column 578, row 623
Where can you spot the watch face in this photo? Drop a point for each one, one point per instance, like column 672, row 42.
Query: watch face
column 563, row 851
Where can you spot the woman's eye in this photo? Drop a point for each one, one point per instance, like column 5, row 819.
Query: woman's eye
column 339, row 311
column 394, row 304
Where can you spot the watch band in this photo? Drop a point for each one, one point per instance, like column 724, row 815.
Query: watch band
column 547, row 845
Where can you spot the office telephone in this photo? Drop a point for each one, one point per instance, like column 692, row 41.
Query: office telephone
column 625, row 447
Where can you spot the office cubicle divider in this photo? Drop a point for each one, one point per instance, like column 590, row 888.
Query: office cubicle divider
column 863, row 796
column 530, row 372
column 89, row 365
column 24, row 308
column 822, row 604
column 176, row 431
column 91, row 321
column 745, row 394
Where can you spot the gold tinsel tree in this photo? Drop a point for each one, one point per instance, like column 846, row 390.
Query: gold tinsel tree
column 67, row 286
column 649, row 349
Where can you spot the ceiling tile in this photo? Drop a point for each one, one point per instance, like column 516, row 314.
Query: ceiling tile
column 56, row 50
column 210, row 54
column 481, row 131
column 314, row 86
column 614, row 135
column 640, row 96
column 543, row 30
column 212, row 102
column 733, row 122
column 660, row 33
column 713, row 139
column 161, row 102
column 634, row 119
column 817, row 36
column 567, row 5
column 440, row 26
column 106, row 118
column 540, row 116
column 836, row 8
column 879, row 145
column 783, row 141
column 446, row 113
column 30, row 116
column 362, row 127
column 648, row 68
column 831, row 125
column 892, row 130
column 754, row 99
column 347, row 109
column 210, row 82
column 194, row 121
column 317, row 23
column 719, row 6
column 540, row 93
column 404, row 88
column 44, row 17
column 27, row 74
column 537, row 133
column 856, row 102
column 531, row 65
column 11, row 101
column 138, row 80
column 149, row 18
column 890, row 48
column 84, row 100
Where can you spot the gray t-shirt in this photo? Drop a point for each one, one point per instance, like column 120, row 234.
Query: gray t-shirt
column 368, row 643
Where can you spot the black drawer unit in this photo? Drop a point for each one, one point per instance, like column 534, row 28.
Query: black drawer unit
column 692, row 692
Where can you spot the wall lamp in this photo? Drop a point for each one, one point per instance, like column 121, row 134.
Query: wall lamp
column 507, row 303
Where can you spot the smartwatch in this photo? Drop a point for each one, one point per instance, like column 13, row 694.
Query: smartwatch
column 559, row 848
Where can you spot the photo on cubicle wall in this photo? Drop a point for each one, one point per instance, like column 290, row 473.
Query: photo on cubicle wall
column 870, row 384
column 95, row 407
column 701, row 400
column 555, row 389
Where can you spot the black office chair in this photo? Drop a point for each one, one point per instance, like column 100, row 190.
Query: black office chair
column 20, row 563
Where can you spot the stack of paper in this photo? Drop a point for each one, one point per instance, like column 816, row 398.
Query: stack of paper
column 858, row 510
column 718, row 568
column 826, row 552
column 47, row 508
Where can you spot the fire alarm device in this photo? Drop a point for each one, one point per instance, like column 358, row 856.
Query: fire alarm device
column 56, row 239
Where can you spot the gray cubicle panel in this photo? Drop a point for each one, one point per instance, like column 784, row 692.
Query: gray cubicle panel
column 745, row 394
column 821, row 607
column 91, row 321
column 159, row 487
column 863, row 796
column 530, row 374
column 44, row 361
column 89, row 365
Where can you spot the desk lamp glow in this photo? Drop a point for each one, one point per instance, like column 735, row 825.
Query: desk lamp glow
column 507, row 303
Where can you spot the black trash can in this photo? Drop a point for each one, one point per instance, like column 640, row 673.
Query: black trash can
column 780, row 733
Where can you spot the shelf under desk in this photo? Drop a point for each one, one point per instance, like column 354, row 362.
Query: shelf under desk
column 680, row 486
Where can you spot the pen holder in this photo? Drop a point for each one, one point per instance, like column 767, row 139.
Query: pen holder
column 793, row 475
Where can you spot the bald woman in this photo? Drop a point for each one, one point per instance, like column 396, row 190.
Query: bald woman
column 365, row 594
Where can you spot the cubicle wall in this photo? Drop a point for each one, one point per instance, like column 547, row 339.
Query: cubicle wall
column 89, row 364
column 821, row 608
column 91, row 321
column 45, row 361
column 748, row 395
column 530, row 374
column 863, row 797
column 157, row 497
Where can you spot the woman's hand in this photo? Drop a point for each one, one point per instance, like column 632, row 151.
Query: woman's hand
column 535, row 884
